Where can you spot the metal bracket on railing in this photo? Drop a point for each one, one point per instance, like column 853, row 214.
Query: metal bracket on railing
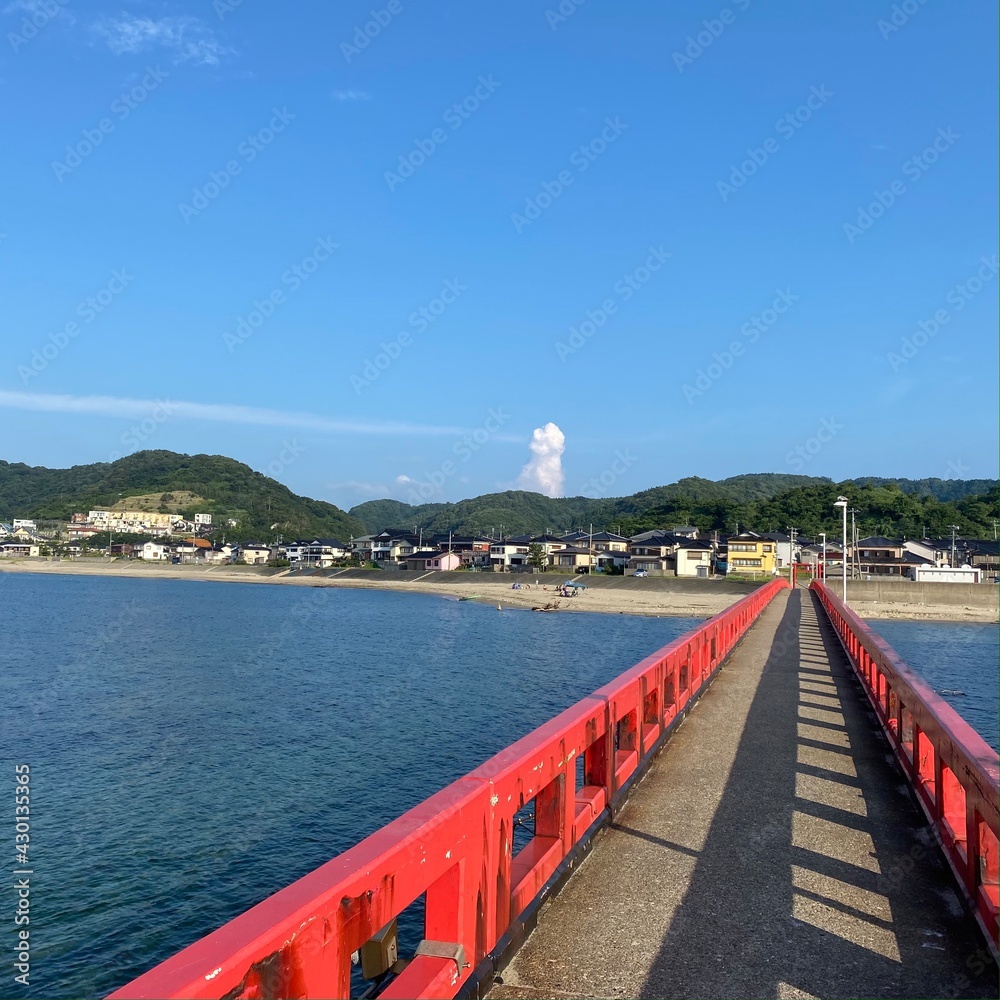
column 443, row 949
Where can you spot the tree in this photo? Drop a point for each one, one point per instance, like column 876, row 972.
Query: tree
column 537, row 558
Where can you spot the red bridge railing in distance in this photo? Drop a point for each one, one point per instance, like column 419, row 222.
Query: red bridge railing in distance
column 950, row 767
column 456, row 848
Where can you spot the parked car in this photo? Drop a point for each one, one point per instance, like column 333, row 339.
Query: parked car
column 642, row 572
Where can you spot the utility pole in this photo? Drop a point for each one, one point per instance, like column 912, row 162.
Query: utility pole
column 822, row 535
column 791, row 555
column 842, row 503
column 954, row 528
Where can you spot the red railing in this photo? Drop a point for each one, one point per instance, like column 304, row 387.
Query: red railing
column 951, row 768
column 456, row 848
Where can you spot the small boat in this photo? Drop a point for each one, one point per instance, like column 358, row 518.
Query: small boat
column 471, row 597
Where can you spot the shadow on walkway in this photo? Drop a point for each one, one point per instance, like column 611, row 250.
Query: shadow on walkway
column 817, row 877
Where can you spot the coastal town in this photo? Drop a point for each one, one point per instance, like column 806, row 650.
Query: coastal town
column 682, row 551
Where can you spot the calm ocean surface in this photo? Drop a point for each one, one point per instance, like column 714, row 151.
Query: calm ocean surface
column 960, row 661
column 195, row 747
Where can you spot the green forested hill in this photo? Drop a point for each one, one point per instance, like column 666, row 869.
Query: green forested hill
column 229, row 489
column 940, row 489
column 762, row 502
column 765, row 502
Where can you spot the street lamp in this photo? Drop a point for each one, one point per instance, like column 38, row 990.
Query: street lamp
column 842, row 503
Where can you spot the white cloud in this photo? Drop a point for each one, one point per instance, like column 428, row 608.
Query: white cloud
column 544, row 473
column 116, row 406
column 350, row 95
column 186, row 38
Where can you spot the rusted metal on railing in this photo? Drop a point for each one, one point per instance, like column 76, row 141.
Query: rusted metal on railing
column 952, row 770
column 456, row 848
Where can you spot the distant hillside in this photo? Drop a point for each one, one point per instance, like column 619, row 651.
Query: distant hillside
column 940, row 489
column 522, row 512
column 762, row 502
column 166, row 480
column 515, row 512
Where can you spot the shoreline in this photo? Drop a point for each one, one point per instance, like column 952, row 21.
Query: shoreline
column 649, row 600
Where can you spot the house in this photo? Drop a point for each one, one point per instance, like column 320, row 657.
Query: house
column 573, row 559
column 153, row 551
column 783, row 547
column 20, row 522
column 19, row 550
column 509, row 555
column 217, row 553
column 319, row 553
column 473, row 551
column 254, row 553
column 752, row 553
column 982, row 554
column 393, row 545
column 685, row 531
column 433, row 559
column 6, row 529
column 361, row 548
column 83, row 531
column 191, row 549
column 606, row 541
column 694, row 558
column 880, row 556
column 655, row 552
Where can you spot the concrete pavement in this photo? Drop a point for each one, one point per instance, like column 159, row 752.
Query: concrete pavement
column 772, row 850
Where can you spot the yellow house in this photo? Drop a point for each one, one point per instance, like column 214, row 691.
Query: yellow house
column 749, row 553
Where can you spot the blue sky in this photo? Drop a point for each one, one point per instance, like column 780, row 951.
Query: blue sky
column 373, row 255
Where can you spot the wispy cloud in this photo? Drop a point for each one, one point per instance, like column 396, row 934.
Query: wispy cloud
column 350, row 95
column 117, row 406
column 371, row 491
column 186, row 39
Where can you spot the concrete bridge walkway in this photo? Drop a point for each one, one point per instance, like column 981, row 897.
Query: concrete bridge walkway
column 772, row 850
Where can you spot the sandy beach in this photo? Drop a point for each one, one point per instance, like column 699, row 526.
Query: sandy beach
column 680, row 598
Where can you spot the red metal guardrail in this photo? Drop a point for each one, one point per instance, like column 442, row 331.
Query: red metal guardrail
column 951, row 768
column 456, row 848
